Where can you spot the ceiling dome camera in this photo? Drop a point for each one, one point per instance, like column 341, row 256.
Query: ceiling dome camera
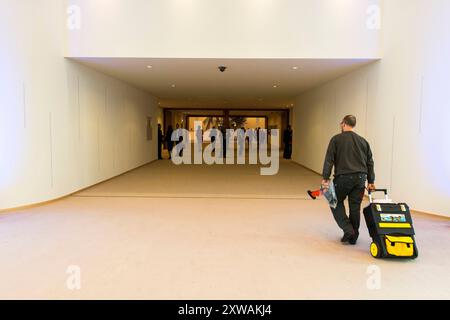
column 222, row 68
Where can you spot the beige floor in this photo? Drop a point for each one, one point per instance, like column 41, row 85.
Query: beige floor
column 163, row 179
column 132, row 238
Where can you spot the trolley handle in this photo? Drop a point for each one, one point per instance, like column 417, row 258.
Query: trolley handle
column 378, row 190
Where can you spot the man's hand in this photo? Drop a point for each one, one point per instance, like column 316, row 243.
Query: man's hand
column 325, row 184
column 371, row 187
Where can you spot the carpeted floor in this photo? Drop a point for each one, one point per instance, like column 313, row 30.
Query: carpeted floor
column 164, row 179
column 199, row 232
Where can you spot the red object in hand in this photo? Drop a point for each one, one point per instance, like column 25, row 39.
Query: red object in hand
column 314, row 194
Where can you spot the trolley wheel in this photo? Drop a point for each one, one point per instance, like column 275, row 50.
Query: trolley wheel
column 375, row 250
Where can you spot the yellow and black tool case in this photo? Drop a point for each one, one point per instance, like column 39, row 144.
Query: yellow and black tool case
column 391, row 228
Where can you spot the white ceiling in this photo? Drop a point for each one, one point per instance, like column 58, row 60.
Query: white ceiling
column 246, row 82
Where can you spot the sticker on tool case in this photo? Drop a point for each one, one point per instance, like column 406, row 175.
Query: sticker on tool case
column 392, row 217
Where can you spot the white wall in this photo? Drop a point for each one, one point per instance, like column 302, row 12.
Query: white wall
column 402, row 104
column 225, row 29
column 63, row 127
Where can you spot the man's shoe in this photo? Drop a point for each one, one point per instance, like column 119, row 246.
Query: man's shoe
column 354, row 239
column 347, row 237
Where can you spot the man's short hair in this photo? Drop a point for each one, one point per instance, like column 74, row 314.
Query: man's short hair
column 350, row 121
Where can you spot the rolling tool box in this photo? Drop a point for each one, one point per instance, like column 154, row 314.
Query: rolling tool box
column 391, row 228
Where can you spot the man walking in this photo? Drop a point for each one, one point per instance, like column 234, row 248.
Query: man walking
column 351, row 157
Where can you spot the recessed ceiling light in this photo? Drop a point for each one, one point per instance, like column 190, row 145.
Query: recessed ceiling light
column 173, row 86
column 149, row 67
column 294, row 68
column 275, row 86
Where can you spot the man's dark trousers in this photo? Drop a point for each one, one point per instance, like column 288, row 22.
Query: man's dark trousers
column 351, row 186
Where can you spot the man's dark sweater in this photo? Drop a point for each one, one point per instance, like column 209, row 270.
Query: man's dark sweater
column 349, row 153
